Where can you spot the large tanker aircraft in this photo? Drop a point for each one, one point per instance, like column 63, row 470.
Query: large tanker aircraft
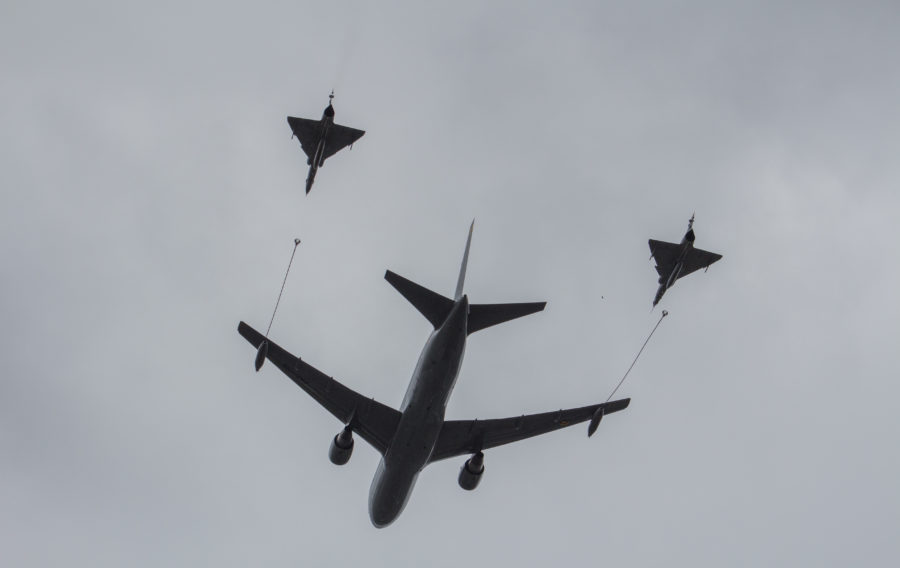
column 417, row 434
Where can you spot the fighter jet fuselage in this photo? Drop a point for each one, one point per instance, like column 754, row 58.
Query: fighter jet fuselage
column 318, row 158
column 684, row 247
column 675, row 261
column 423, row 410
column 321, row 139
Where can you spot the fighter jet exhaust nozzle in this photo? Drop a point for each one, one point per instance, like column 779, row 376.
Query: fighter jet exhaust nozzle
column 341, row 447
column 471, row 471
column 261, row 355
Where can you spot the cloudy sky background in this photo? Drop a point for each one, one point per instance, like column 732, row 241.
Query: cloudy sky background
column 151, row 193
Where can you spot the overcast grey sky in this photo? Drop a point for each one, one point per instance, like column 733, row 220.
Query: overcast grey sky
column 151, row 193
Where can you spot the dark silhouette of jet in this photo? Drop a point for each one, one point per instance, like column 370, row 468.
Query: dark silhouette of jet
column 674, row 261
column 417, row 434
column 321, row 139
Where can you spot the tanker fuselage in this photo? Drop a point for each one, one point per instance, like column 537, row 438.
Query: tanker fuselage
column 422, row 417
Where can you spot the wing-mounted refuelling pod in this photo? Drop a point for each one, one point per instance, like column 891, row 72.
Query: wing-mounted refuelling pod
column 595, row 421
column 261, row 355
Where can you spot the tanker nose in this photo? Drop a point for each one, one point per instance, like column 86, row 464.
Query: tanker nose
column 384, row 508
column 384, row 503
column 380, row 522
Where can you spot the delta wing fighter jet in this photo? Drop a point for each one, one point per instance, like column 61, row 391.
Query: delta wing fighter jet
column 416, row 434
column 674, row 261
column 321, row 139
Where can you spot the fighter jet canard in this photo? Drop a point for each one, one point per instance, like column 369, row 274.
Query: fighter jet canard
column 321, row 139
column 674, row 261
column 416, row 434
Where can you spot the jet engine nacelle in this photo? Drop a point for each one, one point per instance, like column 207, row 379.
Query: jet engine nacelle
column 341, row 447
column 471, row 471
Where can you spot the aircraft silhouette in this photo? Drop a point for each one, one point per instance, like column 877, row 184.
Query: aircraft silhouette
column 321, row 139
column 674, row 261
column 417, row 434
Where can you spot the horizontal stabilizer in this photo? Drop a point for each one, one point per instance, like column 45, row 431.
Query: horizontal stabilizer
column 486, row 315
column 432, row 305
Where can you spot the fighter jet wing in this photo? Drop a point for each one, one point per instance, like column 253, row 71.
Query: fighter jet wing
column 340, row 137
column 697, row 259
column 459, row 437
column 373, row 421
column 665, row 254
column 307, row 131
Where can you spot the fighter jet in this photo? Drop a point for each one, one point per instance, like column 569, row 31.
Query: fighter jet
column 321, row 139
column 674, row 261
column 416, row 434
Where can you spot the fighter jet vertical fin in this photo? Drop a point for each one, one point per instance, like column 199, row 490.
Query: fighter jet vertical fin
column 462, row 269
column 430, row 304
